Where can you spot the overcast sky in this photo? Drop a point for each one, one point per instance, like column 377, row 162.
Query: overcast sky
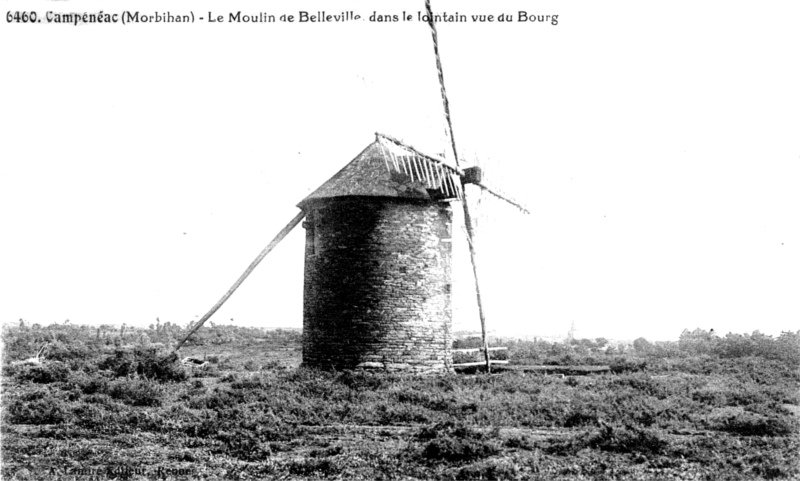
column 656, row 145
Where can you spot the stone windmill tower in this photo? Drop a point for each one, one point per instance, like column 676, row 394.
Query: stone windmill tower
column 377, row 290
column 377, row 267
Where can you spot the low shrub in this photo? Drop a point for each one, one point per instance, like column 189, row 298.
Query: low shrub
column 243, row 444
column 145, row 362
column 40, row 411
column 160, row 367
column 445, row 403
column 642, row 382
column 49, row 372
column 216, row 400
column 621, row 365
column 580, row 418
column 94, row 417
column 363, row 380
column 399, row 413
column 751, row 424
column 72, row 352
column 453, row 449
column 135, row 392
column 627, row 439
column 454, row 442
column 120, row 363
column 250, row 382
column 316, row 467
column 519, row 442
column 615, row 439
column 93, row 385
column 492, row 469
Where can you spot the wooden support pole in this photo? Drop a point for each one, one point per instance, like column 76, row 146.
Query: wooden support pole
column 467, row 216
column 472, row 256
column 291, row 225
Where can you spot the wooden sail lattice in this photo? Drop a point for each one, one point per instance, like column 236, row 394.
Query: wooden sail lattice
column 434, row 173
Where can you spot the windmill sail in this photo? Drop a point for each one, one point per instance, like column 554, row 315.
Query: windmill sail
column 434, row 173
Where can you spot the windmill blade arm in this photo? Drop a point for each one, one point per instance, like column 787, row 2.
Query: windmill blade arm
column 504, row 197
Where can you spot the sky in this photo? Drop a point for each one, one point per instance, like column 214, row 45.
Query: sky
column 656, row 145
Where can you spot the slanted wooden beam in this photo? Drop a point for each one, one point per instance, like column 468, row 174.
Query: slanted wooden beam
column 278, row 238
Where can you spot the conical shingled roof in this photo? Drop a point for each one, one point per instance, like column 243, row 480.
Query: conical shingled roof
column 367, row 175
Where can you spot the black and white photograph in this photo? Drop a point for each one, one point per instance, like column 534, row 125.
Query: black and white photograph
column 401, row 240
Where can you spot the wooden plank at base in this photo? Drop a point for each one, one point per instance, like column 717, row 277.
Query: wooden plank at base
column 478, row 349
column 482, row 363
column 563, row 369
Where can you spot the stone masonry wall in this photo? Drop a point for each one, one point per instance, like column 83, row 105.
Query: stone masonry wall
column 377, row 285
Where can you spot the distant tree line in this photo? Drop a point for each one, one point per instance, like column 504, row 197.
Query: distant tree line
column 785, row 347
column 25, row 338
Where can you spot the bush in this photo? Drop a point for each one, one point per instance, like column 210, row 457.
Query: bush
column 135, row 392
column 361, row 380
column 47, row 373
column 145, row 362
column 243, row 444
column 615, row 439
column 579, row 418
column 456, row 443
column 96, row 417
column 622, row 365
column 40, row 411
column 751, row 424
column 520, row 442
column 456, row 450
column 120, row 363
column 75, row 352
column 315, row 467
column 164, row 368
column 491, row 469
column 628, row 440
column 93, row 385
column 400, row 413
column 216, row 400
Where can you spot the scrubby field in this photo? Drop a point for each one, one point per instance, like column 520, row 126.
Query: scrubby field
column 108, row 404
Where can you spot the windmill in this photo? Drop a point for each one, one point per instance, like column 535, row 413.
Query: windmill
column 377, row 260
